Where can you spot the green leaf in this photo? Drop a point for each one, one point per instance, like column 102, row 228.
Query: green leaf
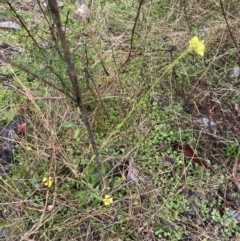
column 76, row 133
column 68, row 125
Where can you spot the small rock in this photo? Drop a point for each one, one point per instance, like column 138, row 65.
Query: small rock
column 10, row 24
column 167, row 161
column 205, row 122
column 236, row 72
column 82, row 12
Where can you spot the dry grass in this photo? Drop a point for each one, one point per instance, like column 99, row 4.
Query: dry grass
column 175, row 202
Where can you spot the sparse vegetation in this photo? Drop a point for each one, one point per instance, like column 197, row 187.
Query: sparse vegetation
column 146, row 125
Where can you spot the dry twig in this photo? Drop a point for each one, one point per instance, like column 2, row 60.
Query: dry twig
column 74, row 81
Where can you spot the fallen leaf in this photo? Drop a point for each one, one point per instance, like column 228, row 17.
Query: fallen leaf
column 133, row 172
column 188, row 152
column 10, row 24
column 22, row 128
column 236, row 178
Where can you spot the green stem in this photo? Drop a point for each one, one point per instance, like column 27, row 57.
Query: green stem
column 170, row 66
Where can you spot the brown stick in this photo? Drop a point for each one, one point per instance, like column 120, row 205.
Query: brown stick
column 74, row 81
column 229, row 29
column 133, row 32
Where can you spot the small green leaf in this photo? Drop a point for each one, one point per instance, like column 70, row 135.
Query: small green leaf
column 76, row 133
column 68, row 125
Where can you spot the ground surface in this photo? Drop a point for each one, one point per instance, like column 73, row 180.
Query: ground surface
column 158, row 192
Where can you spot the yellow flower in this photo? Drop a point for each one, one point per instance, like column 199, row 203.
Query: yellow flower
column 47, row 181
column 123, row 178
column 107, row 200
column 197, row 46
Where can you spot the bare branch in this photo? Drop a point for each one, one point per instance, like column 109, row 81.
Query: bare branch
column 74, row 81
column 229, row 29
column 133, row 32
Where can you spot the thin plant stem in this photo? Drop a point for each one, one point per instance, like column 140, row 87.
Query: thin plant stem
column 144, row 97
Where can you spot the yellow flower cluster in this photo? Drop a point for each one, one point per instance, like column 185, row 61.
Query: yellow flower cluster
column 47, row 181
column 107, row 200
column 197, row 46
